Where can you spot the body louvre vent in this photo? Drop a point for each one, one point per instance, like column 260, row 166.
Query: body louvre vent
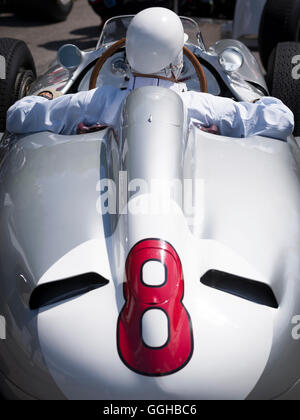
column 250, row 290
column 57, row 291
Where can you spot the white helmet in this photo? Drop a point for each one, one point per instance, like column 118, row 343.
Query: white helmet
column 154, row 42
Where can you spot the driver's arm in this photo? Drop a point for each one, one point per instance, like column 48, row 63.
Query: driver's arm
column 62, row 115
column 268, row 117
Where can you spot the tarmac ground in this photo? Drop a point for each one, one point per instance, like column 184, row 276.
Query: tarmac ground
column 81, row 28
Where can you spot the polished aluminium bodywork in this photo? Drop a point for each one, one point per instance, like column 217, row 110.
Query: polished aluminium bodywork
column 238, row 213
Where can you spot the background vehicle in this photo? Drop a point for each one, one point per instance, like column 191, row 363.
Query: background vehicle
column 222, row 9
column 52, row 10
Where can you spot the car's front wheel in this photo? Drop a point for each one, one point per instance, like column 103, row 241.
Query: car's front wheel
column 57, row 10
column 283, row 77
column 17, row 72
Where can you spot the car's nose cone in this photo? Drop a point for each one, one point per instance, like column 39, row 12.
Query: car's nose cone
column 232, row 342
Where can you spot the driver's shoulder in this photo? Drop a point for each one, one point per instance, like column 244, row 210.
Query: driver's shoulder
column 105, row 93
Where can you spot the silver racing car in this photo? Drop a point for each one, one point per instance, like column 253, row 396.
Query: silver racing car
column 161, row 263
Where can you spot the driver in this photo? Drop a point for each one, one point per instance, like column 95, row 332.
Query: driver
column 154, row 48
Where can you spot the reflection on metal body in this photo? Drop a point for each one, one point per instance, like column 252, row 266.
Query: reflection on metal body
column 70, row 56
column 154, row 146
column 247, row 83
column 231, row 59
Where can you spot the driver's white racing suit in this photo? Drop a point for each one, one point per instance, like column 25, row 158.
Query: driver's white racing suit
column 268, row 117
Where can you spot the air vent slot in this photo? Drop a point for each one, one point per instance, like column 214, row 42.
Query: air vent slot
column 250, row 290
column 57, row 291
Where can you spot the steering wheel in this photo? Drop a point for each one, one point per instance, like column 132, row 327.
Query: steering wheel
column 121, row 43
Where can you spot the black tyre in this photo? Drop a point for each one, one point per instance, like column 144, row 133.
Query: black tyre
column 19, row 74
column 284, row 77
column 50, row 10
column 280, row 22
column 57, row 10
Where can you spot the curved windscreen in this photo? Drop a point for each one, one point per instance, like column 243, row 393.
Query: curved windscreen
column 116, row 28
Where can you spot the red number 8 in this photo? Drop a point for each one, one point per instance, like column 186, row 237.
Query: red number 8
column 140, row 297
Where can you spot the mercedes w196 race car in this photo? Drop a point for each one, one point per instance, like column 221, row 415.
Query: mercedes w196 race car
column 157, row 263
